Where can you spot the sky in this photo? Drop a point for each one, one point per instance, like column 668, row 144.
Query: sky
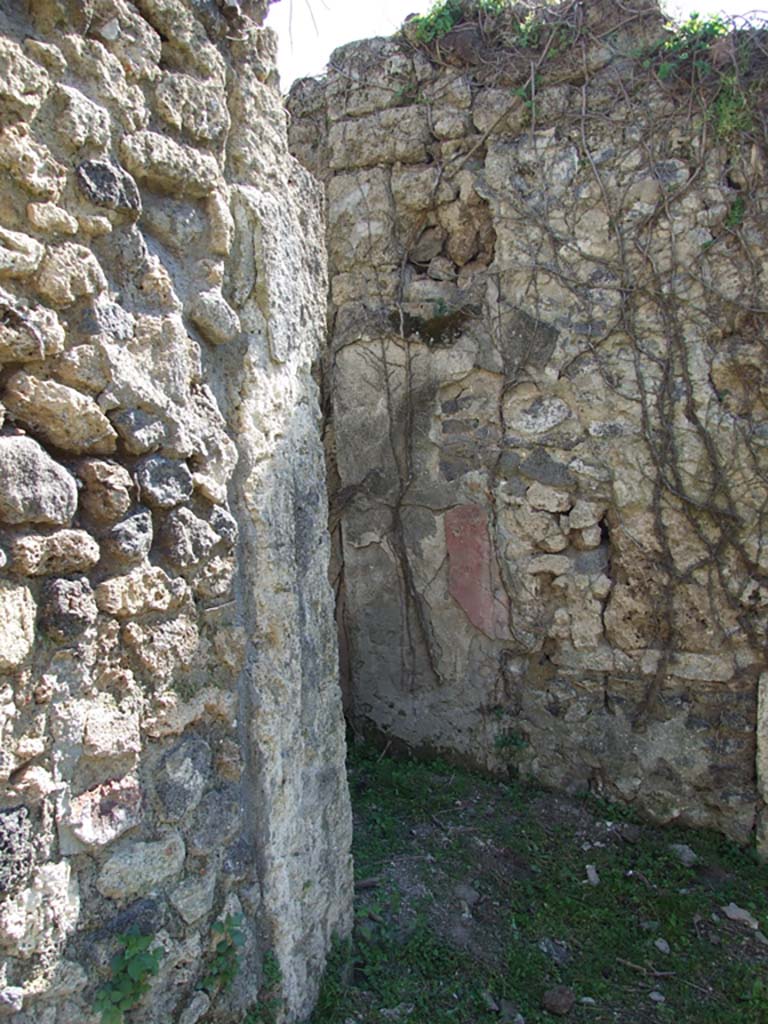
column 304, row 49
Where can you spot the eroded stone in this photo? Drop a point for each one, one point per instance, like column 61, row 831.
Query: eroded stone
column 66, row 418
column 34, row 488
column 141, row 868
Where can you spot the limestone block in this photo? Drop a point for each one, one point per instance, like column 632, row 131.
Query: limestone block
column 34, row 488
column 130, row 540
column 98, row 816
column 193, row 898
column 212, row 314
column 79, row 121
column 370, row 73
column 56, row 554
column 108, row 185
column 586, row 621
column 449, row 124
column 163, row 482
column 30, row 163
column 23, row 83
column 215, row 821
column 65, row 417
column 27, row 334
column 225, row 525
column 107, row 490
column 139, row 430
column 47, row 54
column 198, row 109
column 50, row 219
column 548, row 499
column 67, row 608
column 585, row 514
column 168, row 167
column 83, row 367
column 499, row 111
column 554, row 565
column 588, row 538
column 630, row 622
column 222, row 224
column 20, row 255
column 144, row 589
column 133, row 41
column 399, row 135
column 528, row 411
column 171, row 715
column 163, row 650
column 106, row 77
column 416, row 189
column 69, row 272
column 428, row 245
column 111, row 731
column 214, row 579
column 186, row 539
column 181, row 778
column 360, row 220
column 94, row 225
column 17, row 624
column 35, row 920
column 142, row 867
column 702, row 667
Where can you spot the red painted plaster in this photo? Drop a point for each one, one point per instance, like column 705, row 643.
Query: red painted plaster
column 472, row 575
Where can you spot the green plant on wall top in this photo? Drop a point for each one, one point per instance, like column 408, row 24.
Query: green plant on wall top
column 131, row 970
column 709, row 57
column 225, row 961
column 686, row 52
column 445, row 14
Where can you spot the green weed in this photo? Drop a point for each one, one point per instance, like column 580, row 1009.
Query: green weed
column 131, row 970
column 225, row 961
column 446, row 14
column 736, row 213
column 424, row 828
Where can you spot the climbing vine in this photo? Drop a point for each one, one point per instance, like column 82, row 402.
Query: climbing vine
column 645, row 297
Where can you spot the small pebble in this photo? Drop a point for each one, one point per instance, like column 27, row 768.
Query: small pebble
column 555, row 949
column 592, row 876
column 588, row 1001
column 684, row 854
column 658, row 997
column 735, row 913
column 559, row 1000
column 663, row 946
column 631, row 833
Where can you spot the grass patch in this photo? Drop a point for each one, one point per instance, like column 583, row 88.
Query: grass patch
column 474, row 900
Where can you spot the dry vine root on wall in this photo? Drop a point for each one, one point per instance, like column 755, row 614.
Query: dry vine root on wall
column 170, row 730
column 547, row 375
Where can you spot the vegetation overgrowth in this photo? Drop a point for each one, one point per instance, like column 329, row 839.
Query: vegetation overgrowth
column 475, row 897
column 722, row 62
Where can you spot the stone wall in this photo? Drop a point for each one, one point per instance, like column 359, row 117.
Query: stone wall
column 546, row 386
column 172, row 741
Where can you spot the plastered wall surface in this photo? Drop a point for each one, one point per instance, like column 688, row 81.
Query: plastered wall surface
column 171, row 734
column 546, row 399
